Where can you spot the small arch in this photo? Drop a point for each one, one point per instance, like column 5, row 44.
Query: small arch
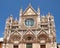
column 15, row 37
column 42, row 36
column 28, row 37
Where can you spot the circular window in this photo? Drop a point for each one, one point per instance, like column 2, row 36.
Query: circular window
column 29, row 22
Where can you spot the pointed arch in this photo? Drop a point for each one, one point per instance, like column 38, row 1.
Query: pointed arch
column 15, row 36
column 43, row 37
column 29, row 36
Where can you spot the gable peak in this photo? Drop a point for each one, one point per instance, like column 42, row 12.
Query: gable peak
column 30, row 10
column 29, row 4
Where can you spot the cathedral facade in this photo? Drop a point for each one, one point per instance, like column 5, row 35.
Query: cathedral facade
column 31, row 30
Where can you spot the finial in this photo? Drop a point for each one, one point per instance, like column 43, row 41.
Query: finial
column 20, row 11
column 11, row 15
column 29, row 4
column 49, row 13
column 38, row 9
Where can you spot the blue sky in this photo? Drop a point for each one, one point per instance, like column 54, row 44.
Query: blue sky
column 8, row 7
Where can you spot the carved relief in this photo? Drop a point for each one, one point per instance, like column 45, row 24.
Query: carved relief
column 29, row 36
column 43, row 38
column 15, row 37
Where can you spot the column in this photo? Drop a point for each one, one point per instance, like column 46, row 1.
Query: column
column 48, row 45
column 3, row 45
column 36, row 45
column 55, row 45
column 22, row 45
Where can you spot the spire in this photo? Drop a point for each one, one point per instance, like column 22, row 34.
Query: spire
column 38, row 11
column 29, row 4
column 20, row 12
column 49, row 14
column 49, row 22
column 11, row 17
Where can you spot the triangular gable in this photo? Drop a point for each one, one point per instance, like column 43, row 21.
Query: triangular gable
column 29, row 32
column 30, row 11
column 15, row 33
column 42, row 32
